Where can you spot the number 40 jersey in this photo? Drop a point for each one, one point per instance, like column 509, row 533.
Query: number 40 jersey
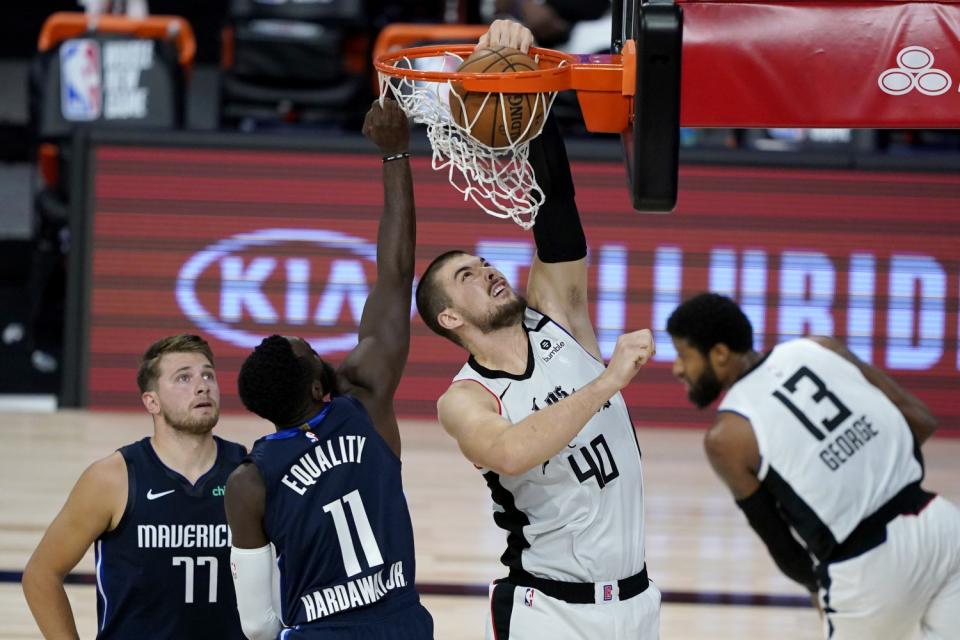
column 577, row 517
column 834, row 449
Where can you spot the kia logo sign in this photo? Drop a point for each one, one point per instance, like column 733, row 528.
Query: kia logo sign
column 243, row 264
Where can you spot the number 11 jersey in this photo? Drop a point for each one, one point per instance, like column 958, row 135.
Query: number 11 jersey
column 336, row 513
column 834, row 449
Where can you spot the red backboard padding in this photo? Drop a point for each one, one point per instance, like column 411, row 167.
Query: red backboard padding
column 821, row 64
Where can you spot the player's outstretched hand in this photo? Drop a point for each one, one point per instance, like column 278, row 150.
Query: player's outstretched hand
column 633, row 350
column 387, row 127
column 507, row 33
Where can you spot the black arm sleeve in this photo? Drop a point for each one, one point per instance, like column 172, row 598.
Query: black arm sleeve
column 557, row 231
column 762, row 514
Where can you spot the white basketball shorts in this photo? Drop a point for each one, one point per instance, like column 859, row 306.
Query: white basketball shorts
column 909, row 584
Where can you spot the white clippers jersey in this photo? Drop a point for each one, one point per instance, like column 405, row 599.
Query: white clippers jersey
column 834, row 448
column 578, row 516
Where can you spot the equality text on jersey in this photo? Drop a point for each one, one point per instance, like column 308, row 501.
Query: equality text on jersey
column 321, row 458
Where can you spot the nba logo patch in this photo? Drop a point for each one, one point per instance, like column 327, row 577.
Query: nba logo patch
column 607, row 592
column 528, row 597
column 81, row 86
column 311, row 436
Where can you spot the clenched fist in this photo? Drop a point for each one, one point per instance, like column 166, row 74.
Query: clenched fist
column 633, row 350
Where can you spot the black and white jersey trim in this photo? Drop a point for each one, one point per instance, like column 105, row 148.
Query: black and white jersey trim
column 754, row 367
column 511, row 519
column 496, row 373
column 815, row 534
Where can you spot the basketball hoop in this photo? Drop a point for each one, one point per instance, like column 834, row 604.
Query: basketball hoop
column 499, row 179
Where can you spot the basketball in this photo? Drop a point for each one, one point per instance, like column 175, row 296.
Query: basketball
column 500, row 119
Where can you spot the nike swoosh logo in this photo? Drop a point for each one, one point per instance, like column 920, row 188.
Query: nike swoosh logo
column 153, row 496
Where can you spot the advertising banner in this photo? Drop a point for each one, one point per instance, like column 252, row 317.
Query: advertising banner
column 239, row 244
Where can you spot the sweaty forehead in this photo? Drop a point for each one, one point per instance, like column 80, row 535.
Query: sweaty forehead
column 458, row 262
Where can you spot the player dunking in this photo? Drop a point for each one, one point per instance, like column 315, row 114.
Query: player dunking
column 325, row 489
column 155, row 511
column 814, row 442
column 538, row 411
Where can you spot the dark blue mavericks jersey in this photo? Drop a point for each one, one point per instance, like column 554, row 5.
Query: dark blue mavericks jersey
column 336, row 513
column 164, row 572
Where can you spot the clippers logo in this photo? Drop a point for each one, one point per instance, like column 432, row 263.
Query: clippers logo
column 81, row 88
column 246, row 287
column 915, row 71
column 528, row 597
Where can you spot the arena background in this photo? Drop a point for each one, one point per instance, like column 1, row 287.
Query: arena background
column 235, row 241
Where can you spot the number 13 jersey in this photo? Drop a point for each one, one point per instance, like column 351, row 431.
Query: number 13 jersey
column 834, row 449
column 578, row 516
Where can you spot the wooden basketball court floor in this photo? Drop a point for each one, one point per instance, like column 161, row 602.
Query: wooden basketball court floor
column 717, row 579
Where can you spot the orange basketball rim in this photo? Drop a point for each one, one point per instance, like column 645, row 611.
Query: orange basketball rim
column 605, row 83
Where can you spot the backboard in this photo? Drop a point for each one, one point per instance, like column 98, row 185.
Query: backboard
column 652, row 141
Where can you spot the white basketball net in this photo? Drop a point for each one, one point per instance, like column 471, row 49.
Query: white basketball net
column 499, row 180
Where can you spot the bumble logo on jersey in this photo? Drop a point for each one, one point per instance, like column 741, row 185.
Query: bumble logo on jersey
column 551, row 349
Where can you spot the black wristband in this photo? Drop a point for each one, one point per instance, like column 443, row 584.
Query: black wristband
column 399, row 156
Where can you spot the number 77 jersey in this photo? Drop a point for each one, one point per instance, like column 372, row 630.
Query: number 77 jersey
column 336, row 513
column 164, row 571
column 834, row 449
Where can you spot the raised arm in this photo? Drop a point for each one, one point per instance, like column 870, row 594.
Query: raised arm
column 471, row 414
column 922, row 423
column 95, row 505
column 557, row 284
column 374, row 367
